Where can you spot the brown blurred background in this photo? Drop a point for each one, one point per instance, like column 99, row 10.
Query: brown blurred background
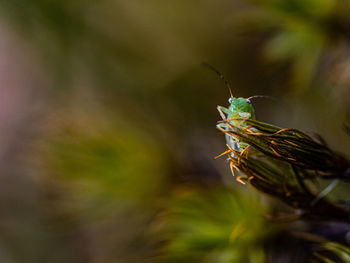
column 107, row 120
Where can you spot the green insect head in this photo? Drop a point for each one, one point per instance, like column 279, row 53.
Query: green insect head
column 240, row 107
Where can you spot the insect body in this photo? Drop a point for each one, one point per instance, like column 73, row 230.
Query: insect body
column 239, row 108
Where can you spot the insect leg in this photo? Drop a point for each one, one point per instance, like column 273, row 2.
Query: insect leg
column 240, row 179
column 223, row 126
column 232, row 141
column 232, row 167
column 222, row 111
column 244, row 153
column 222, row 154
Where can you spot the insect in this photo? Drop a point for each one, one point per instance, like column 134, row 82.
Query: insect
column 240, row 108
column 235, row 116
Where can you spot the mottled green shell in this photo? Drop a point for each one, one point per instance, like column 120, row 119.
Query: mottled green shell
column 238, row 109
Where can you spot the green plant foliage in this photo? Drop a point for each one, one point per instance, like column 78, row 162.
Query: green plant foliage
column 214, row 225
column 108, row 163
column 303, row 34
column 108, row 179
column 342, row 251
column 279, row 160
column 294, row 147
column 142, row 126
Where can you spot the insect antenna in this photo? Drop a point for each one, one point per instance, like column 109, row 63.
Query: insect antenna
column 262, row 96
column 266, row 97
column 274, row 99
column 221, row 76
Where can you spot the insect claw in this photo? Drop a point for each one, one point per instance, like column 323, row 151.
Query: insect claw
column 234, row 166
column 239, row 179
column 232, row 169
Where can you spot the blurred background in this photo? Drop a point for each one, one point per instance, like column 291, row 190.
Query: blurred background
column 107, row 121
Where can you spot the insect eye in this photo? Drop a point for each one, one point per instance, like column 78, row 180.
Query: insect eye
column 248, row 101
column 230, row 100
